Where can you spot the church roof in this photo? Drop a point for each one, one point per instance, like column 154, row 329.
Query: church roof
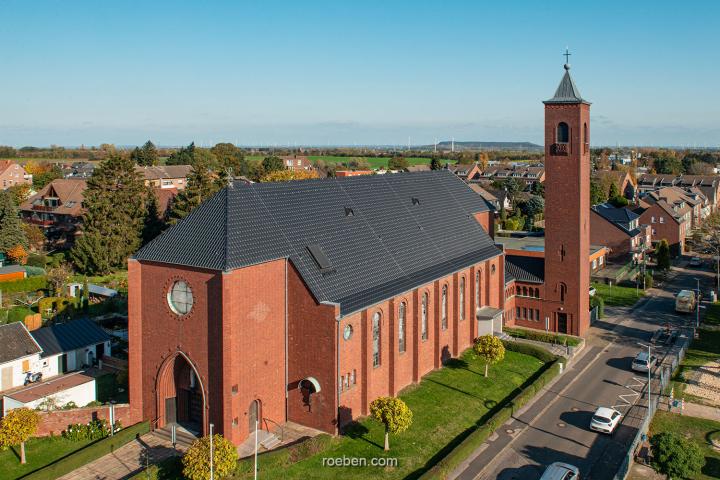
column 567, row 91
column 355, row 240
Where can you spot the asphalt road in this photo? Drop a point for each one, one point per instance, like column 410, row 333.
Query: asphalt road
column 559, row 432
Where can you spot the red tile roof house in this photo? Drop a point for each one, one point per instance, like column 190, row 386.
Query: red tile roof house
column 620, row 230
column 165, row 176
column 296, row 163
column 466, row 172
column 671, row 222
column 709, row 185
column 12, row 173
column 57, row 209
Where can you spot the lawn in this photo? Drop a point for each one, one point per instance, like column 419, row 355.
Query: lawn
column 712, row 314
column 695, row 429
column 38, row 452
column 445, row 405
column 618, row 296
column 702, row 350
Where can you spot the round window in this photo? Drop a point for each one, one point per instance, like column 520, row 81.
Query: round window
column 347, row 333
column 180, row 298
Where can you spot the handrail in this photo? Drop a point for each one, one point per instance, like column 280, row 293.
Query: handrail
column 282, row 429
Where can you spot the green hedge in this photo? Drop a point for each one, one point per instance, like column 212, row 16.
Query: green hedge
column 477, row 437
column 30, row 284
column 542, row 336
column 528, row 349
column 88, row 454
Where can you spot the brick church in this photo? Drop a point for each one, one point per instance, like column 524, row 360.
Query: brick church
column 304, row 301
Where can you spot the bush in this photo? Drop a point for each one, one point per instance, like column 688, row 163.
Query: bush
column 18, row 314
column 57, row 305
column 196, row 461
column 31, row 284
column 648, row 280
column 94, row 430
column 675, row 456
column 37, row 260
column 527, row 349
column 34, row 271
column 542, row 336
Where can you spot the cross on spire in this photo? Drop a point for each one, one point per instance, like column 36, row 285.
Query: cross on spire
column 567, row 59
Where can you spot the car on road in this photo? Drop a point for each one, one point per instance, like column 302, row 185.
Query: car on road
column 695, row 262
column 641, row 362
column 685, row 301
column 561, row 471
column 605, row 420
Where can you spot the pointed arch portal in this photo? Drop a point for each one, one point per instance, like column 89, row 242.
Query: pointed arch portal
column 181, row 397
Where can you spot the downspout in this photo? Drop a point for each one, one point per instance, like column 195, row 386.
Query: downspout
column 337, row 373
column 287, row 385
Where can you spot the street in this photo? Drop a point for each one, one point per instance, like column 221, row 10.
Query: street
column 556, row 427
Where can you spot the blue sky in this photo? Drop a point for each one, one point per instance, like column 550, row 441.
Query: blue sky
column 340, row 72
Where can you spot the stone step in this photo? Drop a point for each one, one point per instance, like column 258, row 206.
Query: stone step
column 271, row 441
column 182, row 439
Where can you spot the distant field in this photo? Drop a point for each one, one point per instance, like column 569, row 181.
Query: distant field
column 374, row 162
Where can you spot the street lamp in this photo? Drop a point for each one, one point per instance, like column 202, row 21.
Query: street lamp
column 649, row 373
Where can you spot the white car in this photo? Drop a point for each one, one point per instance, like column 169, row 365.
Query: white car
column 605, row 420
column 593, row 291
column 561, row 471
column 695, row 262
column 641, row 363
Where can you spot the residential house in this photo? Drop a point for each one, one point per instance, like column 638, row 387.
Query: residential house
column 423, row 167
column 74, row 389
column 71, row 346
column 467, row 172
column 489, row 197
column 620, row 230
column 19, row 355
column 709, row 185
column 165, row 176
column 57, row 209
column 12, row 173
column 679, row 197
column 527, row 174
column 297, row 162
column 671, row 222
column 79, row 170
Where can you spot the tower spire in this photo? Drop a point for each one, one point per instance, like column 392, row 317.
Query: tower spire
column 567, row 59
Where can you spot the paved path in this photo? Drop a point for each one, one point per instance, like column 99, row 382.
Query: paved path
column 555, row 426
column 701, row 411
column 125, row 461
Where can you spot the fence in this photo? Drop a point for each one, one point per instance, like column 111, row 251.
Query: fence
column 669, row 365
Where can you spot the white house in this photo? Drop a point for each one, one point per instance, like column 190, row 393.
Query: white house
column 71, row 388
column 19, row 355
column 71, row 346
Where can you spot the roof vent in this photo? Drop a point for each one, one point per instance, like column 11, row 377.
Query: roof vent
column 320, row 258
column 415, row 201
column 349, row 212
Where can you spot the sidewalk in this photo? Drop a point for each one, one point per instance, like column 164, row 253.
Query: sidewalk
column 125, row 461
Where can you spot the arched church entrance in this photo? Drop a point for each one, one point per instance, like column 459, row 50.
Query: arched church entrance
column 180, row 395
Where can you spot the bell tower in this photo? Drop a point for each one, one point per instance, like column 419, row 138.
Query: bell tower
column 567, row 209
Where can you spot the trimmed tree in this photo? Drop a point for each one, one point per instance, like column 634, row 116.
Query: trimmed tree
column 18, row 254
column 393, row 413
column 490, row 348
column 662, row 253
column 11, row 232
column 676, row 456
column 398, row 163
column 115, row 198
column 16, row 427
column 196, row 461
column 272, row 164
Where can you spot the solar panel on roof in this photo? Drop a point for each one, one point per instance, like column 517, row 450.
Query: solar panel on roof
column 320, row 258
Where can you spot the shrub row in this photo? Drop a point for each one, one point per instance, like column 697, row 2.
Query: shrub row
column 477, row 437
column 88, row 454
column 542, row 336
column 30, row 284
column 528, row 349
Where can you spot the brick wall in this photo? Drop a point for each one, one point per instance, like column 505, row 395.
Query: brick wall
column 57, row 421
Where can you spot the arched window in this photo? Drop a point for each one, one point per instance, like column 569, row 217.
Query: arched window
column 477, row 289
column 401, row 327
column 563, row 133
column 563, row 291
column 524, row 312
column 461, row 299
column 376, row 339
column 586, row 134
column 524, row 292
column 423, row 317
column 537, row 293
column 443, row 308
